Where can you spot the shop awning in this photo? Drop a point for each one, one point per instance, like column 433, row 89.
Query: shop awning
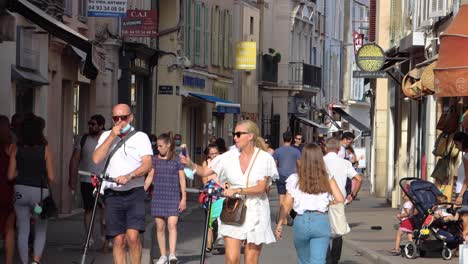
column 309, row 122
column 60, row 30
column 222, row 106
column 451, row 72
column 351, row 119
column 33, row 78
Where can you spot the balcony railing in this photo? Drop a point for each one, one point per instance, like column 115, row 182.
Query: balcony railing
column 305, row 74
column 268, row 69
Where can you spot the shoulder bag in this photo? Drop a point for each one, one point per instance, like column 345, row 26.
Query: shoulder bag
column 49, row 208
column 338, row 223
column 234, row 209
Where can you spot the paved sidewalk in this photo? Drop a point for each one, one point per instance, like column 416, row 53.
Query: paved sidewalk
column 369, row 211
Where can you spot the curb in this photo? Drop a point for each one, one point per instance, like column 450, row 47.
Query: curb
column 367, row 253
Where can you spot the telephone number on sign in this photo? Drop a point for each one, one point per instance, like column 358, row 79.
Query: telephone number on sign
column 106, row 8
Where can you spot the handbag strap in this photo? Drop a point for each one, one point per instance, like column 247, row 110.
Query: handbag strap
column 251, row 166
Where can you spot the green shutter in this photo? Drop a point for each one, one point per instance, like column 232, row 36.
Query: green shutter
column 207, row 37
column 220, row 37
column 196, row 34
column 214, row 37
column 188, row 28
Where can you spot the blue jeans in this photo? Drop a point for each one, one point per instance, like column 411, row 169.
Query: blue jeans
column 311, row 237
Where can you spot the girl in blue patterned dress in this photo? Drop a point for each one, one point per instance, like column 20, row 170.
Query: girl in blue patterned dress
column 169, row 197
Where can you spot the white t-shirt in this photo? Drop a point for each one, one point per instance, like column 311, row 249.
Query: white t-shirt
column 407, row 205
column 305, row 201
column 86, row 161
column 461, row 174
column 126, row 159
column 340, row 169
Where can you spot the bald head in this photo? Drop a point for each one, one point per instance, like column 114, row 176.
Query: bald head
column 121, row 109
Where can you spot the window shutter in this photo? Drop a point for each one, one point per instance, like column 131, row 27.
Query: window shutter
column 220, row 37
column 372, row 20
column 214, row 36
column 226, row 39
column 438, row 8
column 230, row 49
column 197, row 33
column 188, row 28
column 28, row 54
column 207, row 37
column 68, row 7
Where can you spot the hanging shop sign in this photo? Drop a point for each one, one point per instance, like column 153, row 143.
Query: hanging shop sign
column 246, row 55
column 107, row 8
column 370, row 58
column 139, row 23
column 370, row 75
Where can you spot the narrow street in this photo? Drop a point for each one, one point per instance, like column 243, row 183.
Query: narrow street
column 65, row 238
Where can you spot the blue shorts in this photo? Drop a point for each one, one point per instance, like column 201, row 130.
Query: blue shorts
column 281, row 185
column 124, row 210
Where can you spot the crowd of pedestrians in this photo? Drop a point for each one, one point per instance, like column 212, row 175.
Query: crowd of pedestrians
column 308, row 177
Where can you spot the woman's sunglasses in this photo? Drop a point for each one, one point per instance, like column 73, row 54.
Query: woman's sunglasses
column 238, row 134
column 122, row 117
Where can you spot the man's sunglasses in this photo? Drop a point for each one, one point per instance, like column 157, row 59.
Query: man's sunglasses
column 239, row 134
column 91, row 123
column 122, row 117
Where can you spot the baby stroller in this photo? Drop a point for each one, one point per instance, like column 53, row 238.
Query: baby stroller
column 428, row 235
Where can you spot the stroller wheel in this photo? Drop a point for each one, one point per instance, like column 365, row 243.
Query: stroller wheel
column 446, row 253
column 410, row 250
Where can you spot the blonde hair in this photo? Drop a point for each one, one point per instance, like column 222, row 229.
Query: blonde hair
column 261, row 144
column 251, row 127
column 312, row 172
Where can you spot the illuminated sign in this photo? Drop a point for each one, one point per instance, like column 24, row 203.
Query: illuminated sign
column 246, row 55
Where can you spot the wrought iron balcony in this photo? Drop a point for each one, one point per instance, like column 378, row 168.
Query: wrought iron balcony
column 267, row 70
column 304, row 74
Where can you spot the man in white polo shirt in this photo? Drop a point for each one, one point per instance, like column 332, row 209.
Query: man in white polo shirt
column 341, row 170
column 125, row 199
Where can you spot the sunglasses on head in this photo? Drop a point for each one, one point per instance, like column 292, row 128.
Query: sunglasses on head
column 122, row 117
column 238, row 134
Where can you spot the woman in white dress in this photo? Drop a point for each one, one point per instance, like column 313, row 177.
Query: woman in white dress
column 233, row 167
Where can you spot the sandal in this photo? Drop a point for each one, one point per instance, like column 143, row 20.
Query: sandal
column 395, row 252
column 208, row 250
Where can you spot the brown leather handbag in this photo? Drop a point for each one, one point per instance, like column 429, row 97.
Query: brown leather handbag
column 448, row 121
column 234, row 209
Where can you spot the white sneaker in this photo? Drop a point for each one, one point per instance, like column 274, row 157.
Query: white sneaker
column 162, row 260
column 172, row 259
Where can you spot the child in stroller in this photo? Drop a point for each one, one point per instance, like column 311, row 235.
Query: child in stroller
column 429, row 235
